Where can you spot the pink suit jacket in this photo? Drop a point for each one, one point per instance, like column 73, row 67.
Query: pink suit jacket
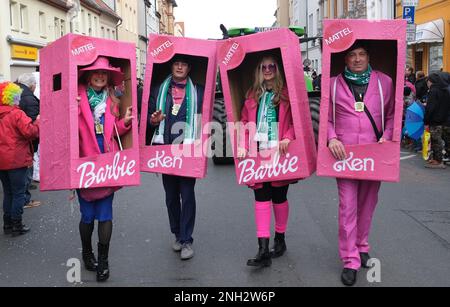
column 285, row 126
column 354, row 127
column 88, row 140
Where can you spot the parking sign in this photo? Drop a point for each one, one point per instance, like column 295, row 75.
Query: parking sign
column 408, row 14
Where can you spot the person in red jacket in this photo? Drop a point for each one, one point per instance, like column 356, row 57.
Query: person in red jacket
column 17, row 132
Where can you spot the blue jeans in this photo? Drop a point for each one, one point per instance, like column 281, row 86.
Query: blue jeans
column 27, row 185
column 14, row 186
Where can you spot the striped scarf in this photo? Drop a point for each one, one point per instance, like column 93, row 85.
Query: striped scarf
column 97, row 102
column 190, row 131
column 358, row 79
column 266, row 122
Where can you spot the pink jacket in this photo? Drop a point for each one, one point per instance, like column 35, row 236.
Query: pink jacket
column 88, row 141
column 285, row 126
column 354, row 127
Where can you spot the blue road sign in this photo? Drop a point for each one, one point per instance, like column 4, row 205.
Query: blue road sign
column 408, row 14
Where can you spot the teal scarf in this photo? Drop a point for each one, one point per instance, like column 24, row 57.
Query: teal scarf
column 94, row 98
column 266, row 122
column 358, row 79
column 190, row 131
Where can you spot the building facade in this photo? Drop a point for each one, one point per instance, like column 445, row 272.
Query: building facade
column 29, row 25
column 358, row 9
column 148, row 22
column 179, row 29
column 431, row 49
column 167, row 18
column 282, row 13
column 307, row 14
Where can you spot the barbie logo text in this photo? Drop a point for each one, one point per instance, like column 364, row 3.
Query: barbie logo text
column 354, row 165
column 267, row 171
column 90, row 175
column 161, row 160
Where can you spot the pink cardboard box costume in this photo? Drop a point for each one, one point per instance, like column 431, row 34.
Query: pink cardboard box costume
column 237, row 61
column 366, row 159
column 61, row 166
column 188, row 160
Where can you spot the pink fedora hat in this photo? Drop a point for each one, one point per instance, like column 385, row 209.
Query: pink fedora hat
column 102, row 63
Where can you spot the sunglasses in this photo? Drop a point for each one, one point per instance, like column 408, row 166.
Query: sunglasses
column 271, row 67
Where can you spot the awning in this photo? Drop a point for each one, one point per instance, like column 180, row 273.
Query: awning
column 430, row 32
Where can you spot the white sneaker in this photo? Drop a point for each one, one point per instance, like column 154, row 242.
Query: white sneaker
column 186, row 251
column 176, row 246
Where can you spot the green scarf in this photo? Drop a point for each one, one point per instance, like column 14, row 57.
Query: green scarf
column 190, row 131
column 358, row 79
column 94, row 98
column 266, row 122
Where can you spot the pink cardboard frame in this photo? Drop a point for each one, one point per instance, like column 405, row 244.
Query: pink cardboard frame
column 61, row 167
column 188, row 160
column 364, row 161
column 237, row 59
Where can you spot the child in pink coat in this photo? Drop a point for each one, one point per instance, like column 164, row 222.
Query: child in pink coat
column 267, row 106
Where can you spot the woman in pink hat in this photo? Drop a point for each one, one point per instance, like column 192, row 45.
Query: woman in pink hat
column 99, row 130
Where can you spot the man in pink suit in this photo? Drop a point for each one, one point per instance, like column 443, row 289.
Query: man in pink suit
column 361, row 112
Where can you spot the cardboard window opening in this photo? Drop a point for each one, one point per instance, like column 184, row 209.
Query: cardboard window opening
column 386, row 43
column 198, row 67
column 241, row 81
column 123, row 94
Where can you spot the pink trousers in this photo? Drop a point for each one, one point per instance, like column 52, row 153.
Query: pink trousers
column 357, row 202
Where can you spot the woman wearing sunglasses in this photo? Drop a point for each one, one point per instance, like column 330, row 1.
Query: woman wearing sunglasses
column 267, row 107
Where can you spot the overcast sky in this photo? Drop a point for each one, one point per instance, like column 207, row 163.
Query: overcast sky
column 202, row 18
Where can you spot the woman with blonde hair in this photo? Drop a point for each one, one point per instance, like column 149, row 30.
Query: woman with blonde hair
column 267, row 106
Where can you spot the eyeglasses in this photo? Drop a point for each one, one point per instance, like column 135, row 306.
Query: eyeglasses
column 270, row 67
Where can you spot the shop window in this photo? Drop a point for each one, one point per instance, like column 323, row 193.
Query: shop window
column 435, row 58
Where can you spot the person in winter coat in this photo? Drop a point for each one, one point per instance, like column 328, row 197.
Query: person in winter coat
column 436, row 116
column 177, row 102
column 421, row 86
column 267, row 107
column 356, row 93
column 98, row 116
column 17, row 132
column 29, row 103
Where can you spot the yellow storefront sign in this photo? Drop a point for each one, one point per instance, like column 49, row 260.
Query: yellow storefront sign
column 24, row 52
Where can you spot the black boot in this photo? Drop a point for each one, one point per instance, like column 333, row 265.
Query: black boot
column 279, row 246
column 90, row 263
column 365, row 257
column 18, row 228
column 348, row 276
column 103, row 266
column 7, row 225
column 262, row 258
